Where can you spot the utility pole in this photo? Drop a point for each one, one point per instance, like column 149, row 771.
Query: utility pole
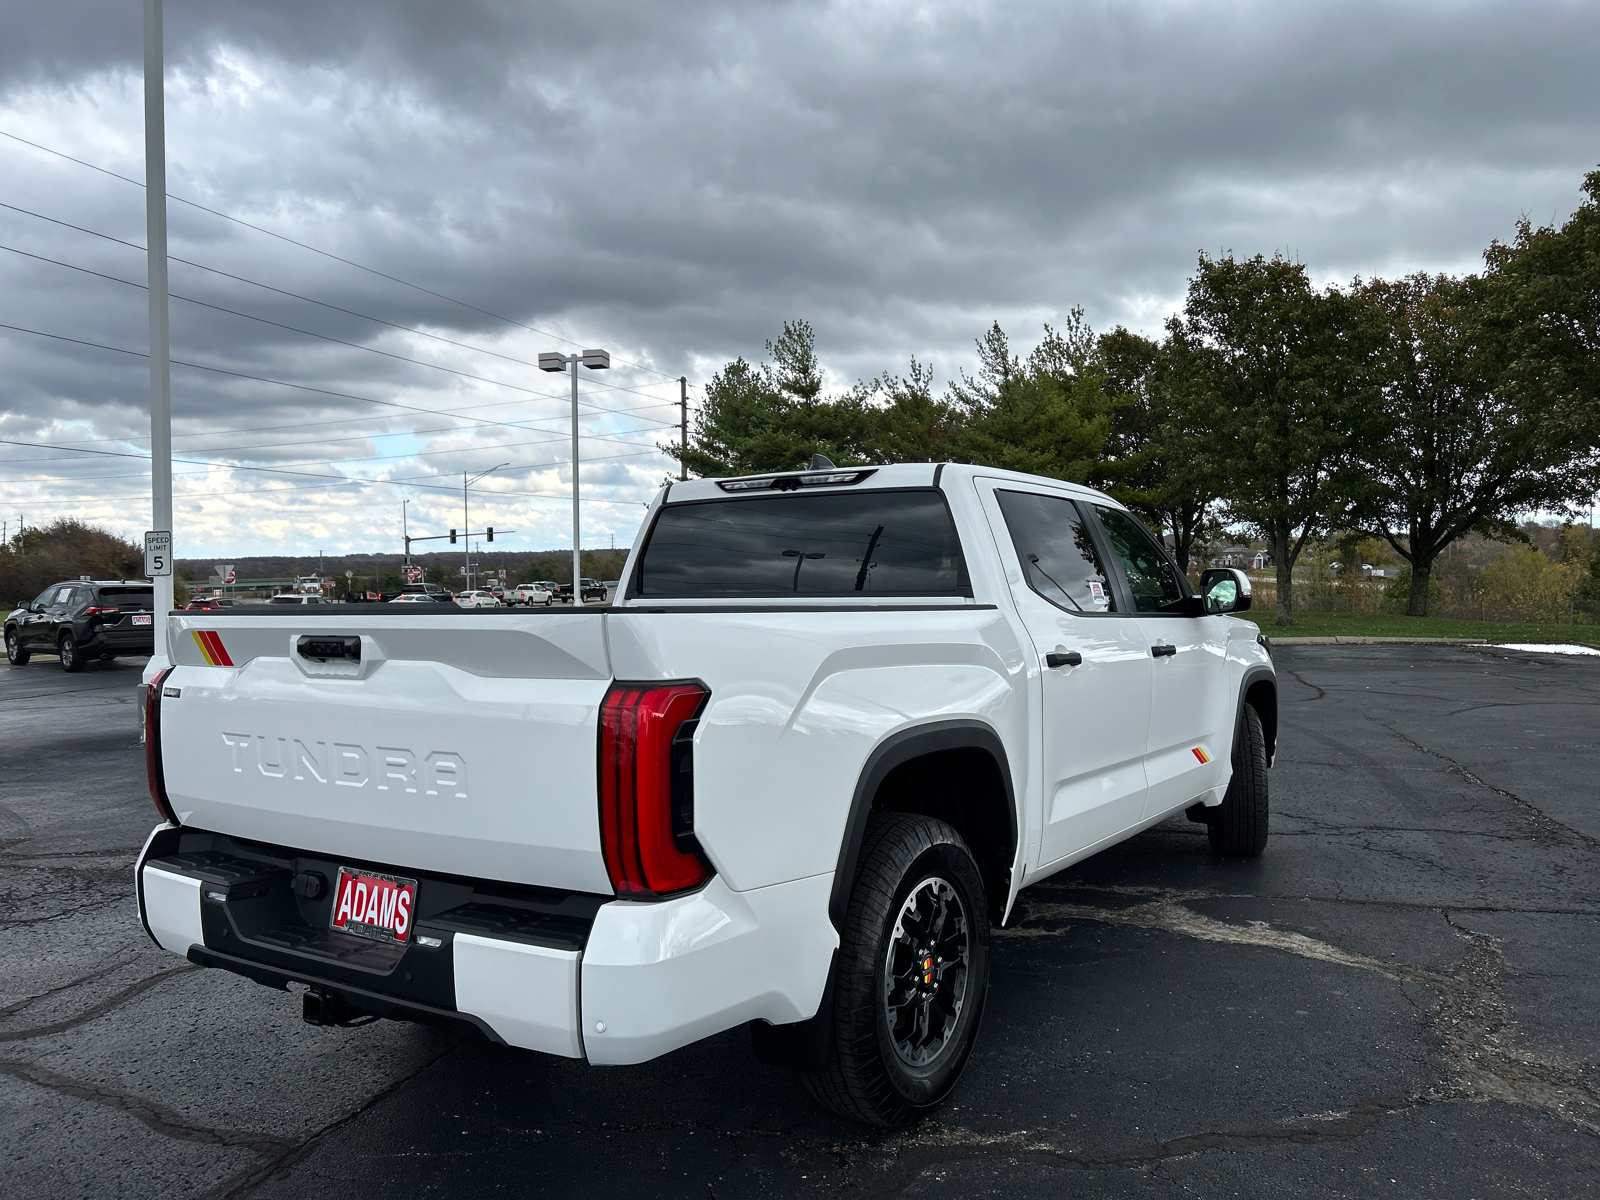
column 683, row 427
column 405, row 533
column 466, row 524
column 155, row 219
column 595, row 360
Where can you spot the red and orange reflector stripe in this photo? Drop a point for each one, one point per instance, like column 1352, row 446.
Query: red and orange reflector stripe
column 1201, row 754
column 211, row 648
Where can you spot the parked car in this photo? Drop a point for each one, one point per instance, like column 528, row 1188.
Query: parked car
column 296, row 598
column 83, row 620
column 422, row 598
column 792, row 779
column 477, row 598
column 593, row 589
column 426, row 589
column 530, row 594
column 208, row 603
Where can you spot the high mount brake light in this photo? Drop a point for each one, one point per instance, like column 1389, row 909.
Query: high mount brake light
column 647, row 787
column 790, row 483
column 153, row 769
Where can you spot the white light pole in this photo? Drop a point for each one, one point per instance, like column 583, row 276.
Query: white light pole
column 595, row 360
column 466, row 521
column 155, row 217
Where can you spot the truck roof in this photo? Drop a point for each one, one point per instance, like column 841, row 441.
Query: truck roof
column 893, row 475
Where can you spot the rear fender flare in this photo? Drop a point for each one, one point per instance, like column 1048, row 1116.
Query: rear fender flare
column 890, row 753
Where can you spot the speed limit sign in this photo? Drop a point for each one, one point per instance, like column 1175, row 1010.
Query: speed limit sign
column 158, row 552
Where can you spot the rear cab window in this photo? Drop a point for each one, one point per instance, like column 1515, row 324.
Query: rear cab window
column 851, row 545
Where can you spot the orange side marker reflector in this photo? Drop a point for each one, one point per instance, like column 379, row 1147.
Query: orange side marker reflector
column 1201, row 755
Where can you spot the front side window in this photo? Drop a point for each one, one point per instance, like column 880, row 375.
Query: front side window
column 1151, row 576
column 1059, row 558
column 42, row 600
column 856, row 544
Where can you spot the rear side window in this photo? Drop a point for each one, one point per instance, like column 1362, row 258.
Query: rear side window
column 857, row 544
column 1058, row 555
column 135, row 598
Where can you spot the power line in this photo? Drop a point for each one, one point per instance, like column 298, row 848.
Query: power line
column 316, row 462
column 324, row 253
column 401, row 482
column 596, row 437
column 323, row 336
column 38, row 216
column 255, row 378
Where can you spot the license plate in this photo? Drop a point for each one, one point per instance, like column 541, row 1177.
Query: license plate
column 141, row 618
column 374, row 906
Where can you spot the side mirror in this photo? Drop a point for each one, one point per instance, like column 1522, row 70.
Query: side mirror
column 1225, row 590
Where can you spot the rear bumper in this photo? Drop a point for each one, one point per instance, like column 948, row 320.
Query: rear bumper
column 568, row 974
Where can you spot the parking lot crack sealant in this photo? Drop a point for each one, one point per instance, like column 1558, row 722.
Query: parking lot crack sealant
column 1539, row 815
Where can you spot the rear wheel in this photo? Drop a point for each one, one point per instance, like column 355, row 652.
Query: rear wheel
column 1238, row 826
column 15, row 654
column 72, row 658
column 913, row 970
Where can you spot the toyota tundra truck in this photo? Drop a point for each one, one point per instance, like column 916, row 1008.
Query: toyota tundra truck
column 791, row 779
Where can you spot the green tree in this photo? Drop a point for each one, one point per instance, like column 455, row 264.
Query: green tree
column 1048, row 414
column 64, row 549
column 773, row 416
column 1162, row 447
column 1283, row 367
column 1460, row 435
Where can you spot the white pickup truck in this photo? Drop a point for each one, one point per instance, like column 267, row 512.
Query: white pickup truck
column 834, row 722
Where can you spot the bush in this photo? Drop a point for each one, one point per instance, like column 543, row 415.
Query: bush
column 1525, row 585
column 64, row 549
column 1398, row 590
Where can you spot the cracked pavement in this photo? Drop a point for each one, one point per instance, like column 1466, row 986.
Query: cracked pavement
column 1399, row 997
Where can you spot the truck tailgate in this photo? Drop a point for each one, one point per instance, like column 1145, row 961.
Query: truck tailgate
column 459, row 743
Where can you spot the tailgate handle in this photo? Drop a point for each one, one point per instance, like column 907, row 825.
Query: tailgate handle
column 323, row 648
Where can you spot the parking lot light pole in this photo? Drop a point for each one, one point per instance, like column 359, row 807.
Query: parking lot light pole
column 595, row 360
column 155, row 218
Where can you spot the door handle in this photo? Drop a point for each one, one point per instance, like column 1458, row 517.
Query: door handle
column 1070, row 659
column 1162, row 650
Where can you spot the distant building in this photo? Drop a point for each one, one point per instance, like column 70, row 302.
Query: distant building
column 1243, row 556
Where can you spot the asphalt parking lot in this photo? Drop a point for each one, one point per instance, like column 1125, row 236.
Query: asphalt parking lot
column 1397, row 999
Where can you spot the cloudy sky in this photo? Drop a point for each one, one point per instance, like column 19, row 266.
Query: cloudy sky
column 671, row 182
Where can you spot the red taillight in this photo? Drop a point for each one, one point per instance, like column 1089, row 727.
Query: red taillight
column 646, row 788
column 96, row 610
column 152, row 748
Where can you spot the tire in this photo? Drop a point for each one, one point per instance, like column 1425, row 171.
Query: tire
column 72, row 658
column 889, row 1061
column 15, row 654
column 1238, row 826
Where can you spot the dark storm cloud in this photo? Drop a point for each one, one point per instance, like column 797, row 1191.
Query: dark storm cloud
column 677, row 179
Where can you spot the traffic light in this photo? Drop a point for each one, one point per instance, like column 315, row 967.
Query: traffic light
column 452, row 537
column 491, row 533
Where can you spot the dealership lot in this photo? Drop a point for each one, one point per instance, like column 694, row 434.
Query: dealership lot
column 1398, row 997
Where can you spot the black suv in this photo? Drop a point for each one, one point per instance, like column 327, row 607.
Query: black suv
column 83, row 620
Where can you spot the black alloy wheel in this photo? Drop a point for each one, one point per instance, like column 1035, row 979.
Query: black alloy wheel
column 15, row 654
column 925, row 971
column 71, row 659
